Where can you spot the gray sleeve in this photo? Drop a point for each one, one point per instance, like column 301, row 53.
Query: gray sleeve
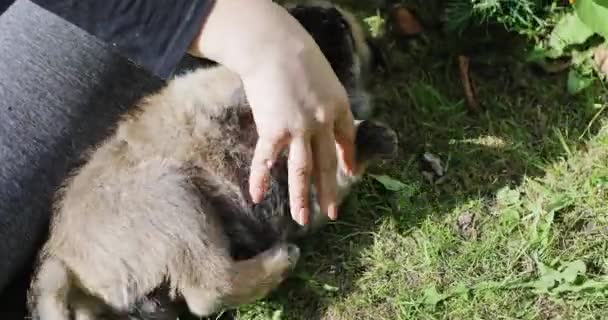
column 155, row 34
column 62, row 92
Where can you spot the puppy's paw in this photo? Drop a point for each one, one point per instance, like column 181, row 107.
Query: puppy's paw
column 281, row 260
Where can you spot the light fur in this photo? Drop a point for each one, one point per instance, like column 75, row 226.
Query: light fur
column 131, row 218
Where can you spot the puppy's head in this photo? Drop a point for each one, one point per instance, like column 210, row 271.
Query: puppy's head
column 374, row 142
column 345, row 45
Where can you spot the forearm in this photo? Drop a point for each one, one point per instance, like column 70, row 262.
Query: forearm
column 264, row 34
column 154, row 34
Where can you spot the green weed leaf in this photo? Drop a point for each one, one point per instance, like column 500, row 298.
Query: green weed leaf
column 432, row 297
column 558, row 203
column 578, row 82
column 573, row 270
column 555, row 283
column 594, row 13
column 389, row 183
column 593, row 285
column 570, row 30
column 460, row 289
column 549, row 277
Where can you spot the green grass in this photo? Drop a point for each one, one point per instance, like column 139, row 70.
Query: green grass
column 518, row 227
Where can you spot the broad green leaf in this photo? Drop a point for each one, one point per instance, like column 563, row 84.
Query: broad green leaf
column 565, row 287
column 593, row 285
column 570, row 30
column 510, row 217
column 559, row 202
column 460, row 289
column 578, row 82
column 389, row 183
column 545, row 283
column 573, row 270
column 549, row 277
column 594, row 13
column 432, row 297
column 544, row 269
column 589, row 285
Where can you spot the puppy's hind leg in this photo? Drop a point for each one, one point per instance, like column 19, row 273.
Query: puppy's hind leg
column 251, row 279
column 258, row 276
column 48, row 297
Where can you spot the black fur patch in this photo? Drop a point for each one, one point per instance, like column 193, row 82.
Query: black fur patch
column 374, row 141
column 333, row 35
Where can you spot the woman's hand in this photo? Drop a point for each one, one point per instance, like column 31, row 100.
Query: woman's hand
column 296, row 98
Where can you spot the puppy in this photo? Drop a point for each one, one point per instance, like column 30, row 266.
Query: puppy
column 164, row 201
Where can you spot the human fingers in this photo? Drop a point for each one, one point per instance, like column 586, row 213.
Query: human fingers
column 299, row 168
column 344, row 131
column 265, row 154
column 324, row 170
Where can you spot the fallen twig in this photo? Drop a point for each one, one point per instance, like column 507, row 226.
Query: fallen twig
column 463, row 66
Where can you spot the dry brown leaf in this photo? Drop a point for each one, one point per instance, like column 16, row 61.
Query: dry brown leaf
column 405, row 22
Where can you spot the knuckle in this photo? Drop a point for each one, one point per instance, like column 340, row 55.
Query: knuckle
column 300, row 166
column 299, row 199
column 302, row 170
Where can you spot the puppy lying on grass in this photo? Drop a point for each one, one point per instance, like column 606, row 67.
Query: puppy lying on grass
column 164, row 201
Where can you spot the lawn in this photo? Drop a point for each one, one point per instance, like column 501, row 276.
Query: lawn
column 516, row 228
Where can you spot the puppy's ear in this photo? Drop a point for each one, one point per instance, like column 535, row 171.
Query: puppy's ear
column 375, row 141
column 378, row 56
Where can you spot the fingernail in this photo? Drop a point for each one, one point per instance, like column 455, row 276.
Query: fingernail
column 258, row 193
column 350, row 171
column 269, row 164
column 303, row 216
column 332, row 212
column 256, row 196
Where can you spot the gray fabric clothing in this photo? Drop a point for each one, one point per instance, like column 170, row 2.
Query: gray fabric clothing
column 61, row 91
